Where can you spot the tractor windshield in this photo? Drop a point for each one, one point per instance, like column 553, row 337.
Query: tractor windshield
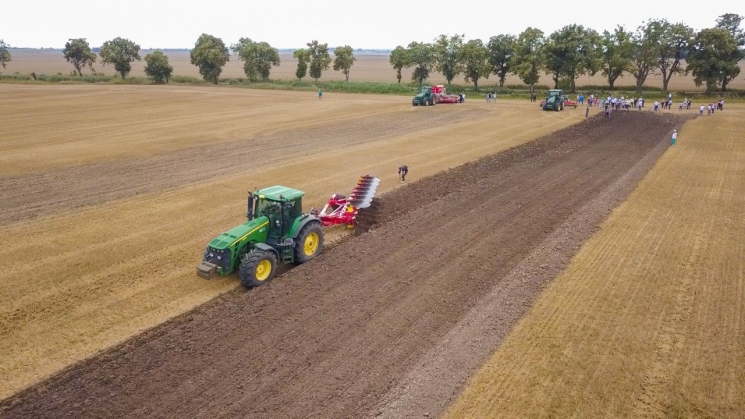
column 266, row 208
column 425, row 90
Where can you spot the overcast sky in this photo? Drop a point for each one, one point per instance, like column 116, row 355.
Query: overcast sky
column 379, row 24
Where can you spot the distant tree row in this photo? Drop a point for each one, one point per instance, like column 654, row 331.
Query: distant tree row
column 210, row 54
column 120, row 53
column 655, row 47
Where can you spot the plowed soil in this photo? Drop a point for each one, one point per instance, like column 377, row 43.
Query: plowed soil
column 332, row 337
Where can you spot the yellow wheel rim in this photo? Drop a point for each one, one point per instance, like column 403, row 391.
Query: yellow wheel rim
column 311, row 244
column 263, row 269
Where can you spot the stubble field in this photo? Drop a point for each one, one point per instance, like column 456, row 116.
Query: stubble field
column 368, row 67
column 109, row 194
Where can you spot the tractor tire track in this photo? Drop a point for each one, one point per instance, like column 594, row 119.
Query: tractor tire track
column 333, row 337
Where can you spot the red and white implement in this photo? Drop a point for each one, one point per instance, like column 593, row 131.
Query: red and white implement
column 343, row 210
column 442, row 95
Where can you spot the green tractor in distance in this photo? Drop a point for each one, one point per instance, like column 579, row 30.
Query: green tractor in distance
column 554, row 101
column 424, row 97
column 276, row 230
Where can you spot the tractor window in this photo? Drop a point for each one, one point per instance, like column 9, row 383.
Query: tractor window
column 267, row 208
column 293, row 208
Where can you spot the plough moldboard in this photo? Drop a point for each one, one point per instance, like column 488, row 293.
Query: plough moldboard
column 343, row 210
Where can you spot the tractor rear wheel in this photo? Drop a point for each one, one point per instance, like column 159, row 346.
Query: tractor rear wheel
column 257, row 268
column 308, row 243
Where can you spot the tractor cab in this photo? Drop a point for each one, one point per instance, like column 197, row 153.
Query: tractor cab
column 280, row 204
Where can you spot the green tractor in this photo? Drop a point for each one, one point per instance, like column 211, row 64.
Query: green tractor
column 425, row 97
column 554, row 101
column 276, row 230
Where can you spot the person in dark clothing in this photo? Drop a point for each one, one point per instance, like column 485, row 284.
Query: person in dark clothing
column 402, row 171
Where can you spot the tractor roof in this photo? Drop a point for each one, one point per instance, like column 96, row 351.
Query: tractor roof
column 280, row 193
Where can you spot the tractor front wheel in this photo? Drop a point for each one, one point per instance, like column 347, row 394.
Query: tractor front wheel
column 309, row 242
column 257, row 268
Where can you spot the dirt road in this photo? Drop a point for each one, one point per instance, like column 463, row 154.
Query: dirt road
column 332, row 337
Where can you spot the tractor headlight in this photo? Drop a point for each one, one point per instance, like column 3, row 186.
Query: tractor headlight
column 219, row 258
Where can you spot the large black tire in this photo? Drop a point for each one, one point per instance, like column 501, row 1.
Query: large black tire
column 309, row 242
column 432, row 101
column 257, row 268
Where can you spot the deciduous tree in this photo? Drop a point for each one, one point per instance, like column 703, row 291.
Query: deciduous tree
column 399, row 60
column 320, row 60
column 422, row 58
column 258, row 58
column 571, row 52
column 209, row 54
column 713, row 58
column 447, row 56
column 4, row 53
column 121, row 53
column 78, row 52
column 303, row 58
column 617, row 50
column 157, row 67
column 731, row 22
column 501, row 52
column 475, row 59
column 528, row 60
column 643, row 57
column 673, row 40
column 344, row 59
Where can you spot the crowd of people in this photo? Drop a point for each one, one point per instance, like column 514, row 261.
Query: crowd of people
column 611, row 102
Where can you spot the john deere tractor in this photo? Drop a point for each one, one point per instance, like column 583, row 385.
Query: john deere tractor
column 276, row 229
column 424, row 97
column 554, row 101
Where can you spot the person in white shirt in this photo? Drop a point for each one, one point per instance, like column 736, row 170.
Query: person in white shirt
column 674, row 137
column 656, row 105
column 701, row 110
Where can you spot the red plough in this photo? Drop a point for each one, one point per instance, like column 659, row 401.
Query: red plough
column 343, row 210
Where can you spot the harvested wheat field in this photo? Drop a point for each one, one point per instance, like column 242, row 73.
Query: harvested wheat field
column 340, row 335
column 649, row 318
column 108, row 194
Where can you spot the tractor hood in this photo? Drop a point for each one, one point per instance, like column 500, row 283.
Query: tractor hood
column 231, row 237
column 420, row 95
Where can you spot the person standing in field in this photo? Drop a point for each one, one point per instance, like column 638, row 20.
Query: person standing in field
column 656, row 105
column 587, row 111
column 320, row 94
column 701, row 110
column 674, row 137
column 402, row 171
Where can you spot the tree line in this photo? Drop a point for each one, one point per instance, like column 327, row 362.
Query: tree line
column 210, row 54
column 655, row 47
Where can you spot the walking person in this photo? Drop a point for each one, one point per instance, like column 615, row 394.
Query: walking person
column 587, row 111
column 402, row 171
column 320, row 93
column 674, row 137
column 701, row 110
